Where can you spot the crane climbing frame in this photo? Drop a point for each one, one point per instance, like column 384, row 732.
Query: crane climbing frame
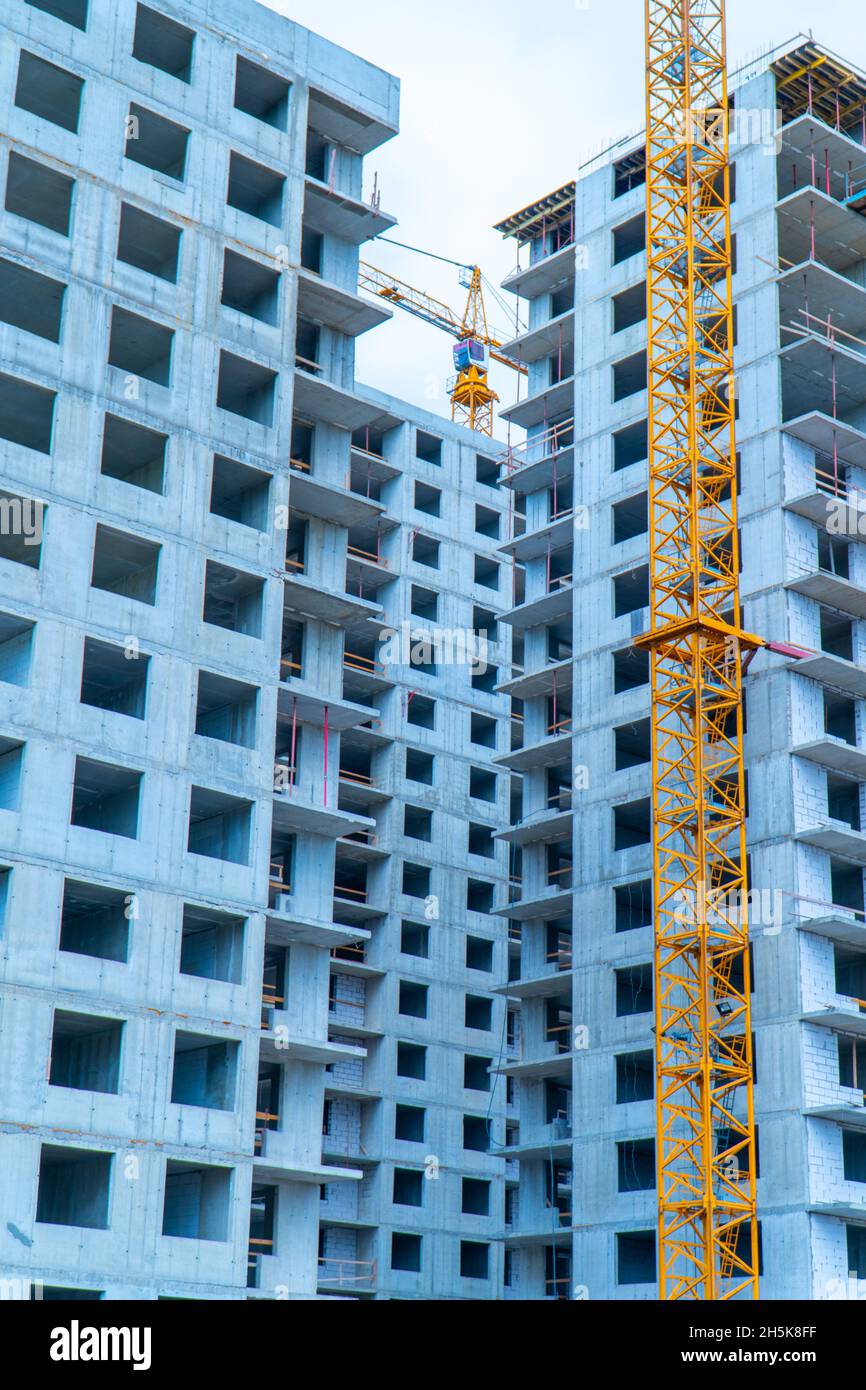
column 708, row 1232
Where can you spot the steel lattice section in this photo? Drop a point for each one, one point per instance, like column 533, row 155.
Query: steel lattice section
column 708, row 1245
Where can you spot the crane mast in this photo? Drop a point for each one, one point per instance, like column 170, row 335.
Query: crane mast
column 708, row 1234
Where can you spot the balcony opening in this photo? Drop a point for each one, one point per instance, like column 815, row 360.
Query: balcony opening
column 212, row 945
column 246, row 389
column 95, row 921
column 428, row 448
column 48, row 91
column 633, row 905
column 631, row 591
column 850, row 972
column 262, row 94
column 482, row 731
column 226, row 710
column 312, row 250
column 413, row 999
column 843, row 801
column 633, row 745
column 408, row 1187
column 481, row 841
column 133, row 454
column 256, row 190
column 631, row 670
column 636, row 1165
column 422, row 712
column 22, row 525
column 629, row 307
column 635, row 1077
column 113, row 680
column 233, row 600
column 149, row 243
column 476, row 1073
column 485, row 624
column 197, row 1201
column 406, row 1253
column 26, row 413
column 85, row 1053
column 840, row 717
column 476, row 1134
column 856, row 1237
column 318, row 156
column 419, row 767
column 834, row 555
column 846, row 885
column 126, row 565
column 39, row 194
column 415, row 940
column 636, row 1258
column 629, row 239
column 632, row 825
column 486, row 572
column 478, row 1013
column 11, row 767
column 475, row 1197
column 630, row 376
column 156, row 143
column 424, row 604
column 474, row 1260
column 837, row 635
column 74, row 1187
column 219, row 826
column 428, row 500
column 308, row 341
column 630, row 446
column 163, row 43
column 630, row 518
column 634, row 990
column 479, row 896
column 71, row 12
column 30, row 301
column 629, row 173
column 106, row 798
column 410, row 1124
column 250, row 288
column 204, row 1073
column 852, row 1063
column 140, row 347
column 412, row 1061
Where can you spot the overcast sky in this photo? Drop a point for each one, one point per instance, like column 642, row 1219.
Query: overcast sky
column 498, row 108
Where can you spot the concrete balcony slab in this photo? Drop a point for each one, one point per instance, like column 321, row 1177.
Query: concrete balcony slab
column 835, row 754
column 334, row 213
column 551, row 752
column 542, row 342
column 543, row 611
column 819, row 430
column 546, row 827
column 834, row 671
column 543, row 276
column 534, row 545
column 559, row 676
column 311, row 600
column 329, row 502
column 832, row 590
column 841, row 926
column 545, row 405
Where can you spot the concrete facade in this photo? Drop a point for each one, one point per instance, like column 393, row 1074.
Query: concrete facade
column 584, row 1222
column 247, row 946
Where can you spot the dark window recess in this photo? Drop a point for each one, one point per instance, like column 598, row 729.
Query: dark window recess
column 427, row 447
column 255, row 189
column 633, row 905
column 38, row 193
column 413, row 999
column 31, row 301
column 419, row 767
column 196, row 1204
column 240, row 493
column 212, row 945
column 133, row 454
column 26, row 413
column 631, row 591
column 406, row 1253
column 48, row 91
column 479, row 896
column 636, row 1165
column 634, row 990
column 125, row 564
column 95, row 921
column 408, row 1187
column 262, row 94
column 421, row 712
column 156, row 143
column 633, row 745
column 149, row 243
column 636, row 1258
column 476, row 1134
column 415, row 940
column 85, row 1053
column 479, row 954
column 74, row 1187
column 219, row 826
column 630, row 445
column 476, row 1073
column 629, row 173
column 412, row 1061
column 474, row 1260
column 635, row 1077
column 114, row 678
column 629, row 239
column 226, row 710
column 629, row 376
column 630, row 518
column 416, row 881
column 475, row 1197
column 632, row 825
column 71, row 12
column 233, row 600
column 409, row 1124
column 106, row 798
column 478, row 1013
column 163, row 43
column 204, row 1071
column 250, row 287
column 140, row 347
column 631, row 670
column 247, row 389
column 629, row 308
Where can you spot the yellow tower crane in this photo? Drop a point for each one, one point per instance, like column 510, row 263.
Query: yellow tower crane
column 472, row 397
column 708, row 1234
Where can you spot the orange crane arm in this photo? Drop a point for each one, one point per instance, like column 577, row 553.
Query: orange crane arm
column 424, row 306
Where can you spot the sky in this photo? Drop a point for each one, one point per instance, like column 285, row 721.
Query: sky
column 498, row 109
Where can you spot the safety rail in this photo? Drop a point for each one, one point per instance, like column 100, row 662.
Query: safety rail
column 350, row 1273
column 367, row 665
column 540, row 447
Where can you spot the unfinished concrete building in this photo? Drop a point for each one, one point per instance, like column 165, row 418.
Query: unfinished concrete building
column 248, row 861
column 582, row 1219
